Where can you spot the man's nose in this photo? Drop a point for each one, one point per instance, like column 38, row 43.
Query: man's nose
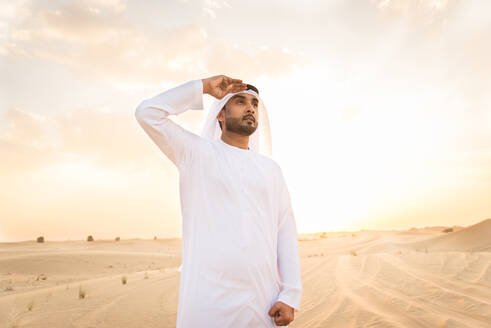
column 250, row 109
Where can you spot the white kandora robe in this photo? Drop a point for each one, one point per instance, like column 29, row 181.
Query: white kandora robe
column 239, row 236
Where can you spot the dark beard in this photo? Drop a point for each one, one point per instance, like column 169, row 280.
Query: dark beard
column 236, row 125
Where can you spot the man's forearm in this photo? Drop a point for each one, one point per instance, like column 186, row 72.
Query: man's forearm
column 289, row 268
column 288, row 255
column 176, row 100
column 151, row 114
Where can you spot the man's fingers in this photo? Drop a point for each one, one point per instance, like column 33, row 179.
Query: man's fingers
column 236, row 87
column 240, row 85
column 281, row 321
column 283, row 317
column 273, row 310
column 232, row 83
column 231, row 80
column 278, row 319
column 223, row 80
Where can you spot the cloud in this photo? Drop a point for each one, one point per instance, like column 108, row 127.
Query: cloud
column 116, row 6
column 252, row 63
column 419, row 11
column 211, row 6
column 432, row 48
column 96, row 39
column 107, row 140
column 26, row 144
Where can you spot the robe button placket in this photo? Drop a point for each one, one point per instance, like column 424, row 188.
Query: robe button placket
column 242, row 175
column 244, row 211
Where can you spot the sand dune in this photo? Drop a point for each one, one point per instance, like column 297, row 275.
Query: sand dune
column 474, row 238
column 365, row 279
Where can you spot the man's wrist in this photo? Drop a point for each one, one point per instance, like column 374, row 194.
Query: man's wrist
column 205, row 86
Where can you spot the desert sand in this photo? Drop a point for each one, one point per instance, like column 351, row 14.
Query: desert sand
column 415, row 278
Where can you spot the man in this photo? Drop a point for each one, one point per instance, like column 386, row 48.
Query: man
column 240, row 265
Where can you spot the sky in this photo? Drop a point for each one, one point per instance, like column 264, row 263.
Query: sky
column 380, row 109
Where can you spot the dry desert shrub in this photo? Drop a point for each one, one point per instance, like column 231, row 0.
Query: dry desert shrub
column 117, row 239
column 42, row 276
column 81, row 292
column 353, row 253
column 9, row 287
column 30, row 306
column 146, row 275
column 154, row 237
column 40, row 239
column 124, row 280
column 447, row 230
column 90, row 238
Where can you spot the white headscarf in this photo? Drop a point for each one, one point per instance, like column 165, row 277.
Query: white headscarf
column 259, row 141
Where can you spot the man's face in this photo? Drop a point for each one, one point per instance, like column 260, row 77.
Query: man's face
column 240, row 114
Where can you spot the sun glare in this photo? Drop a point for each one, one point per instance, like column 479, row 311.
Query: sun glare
column 79, row 172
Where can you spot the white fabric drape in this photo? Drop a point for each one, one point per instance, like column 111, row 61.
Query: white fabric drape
column 239, row 237
column 259, row 141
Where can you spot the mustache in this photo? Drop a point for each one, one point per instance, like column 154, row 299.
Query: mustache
column 249, row 115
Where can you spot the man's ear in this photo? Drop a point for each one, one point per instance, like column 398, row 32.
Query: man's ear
column 221, row 116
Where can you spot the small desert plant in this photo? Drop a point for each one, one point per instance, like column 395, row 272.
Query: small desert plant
column 146, row 275
column 117, row 239
column 352, row 252
column 154, row 237
column 42, row 276
column 16, row 324
column 124, row 280
column 81, row 293
column 9, row 287
column 90, row 238
column 447, row 230
column 30, row 306
column 40, row 239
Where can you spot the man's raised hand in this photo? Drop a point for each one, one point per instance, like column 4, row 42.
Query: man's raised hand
column 282, row 313
column 218, row 86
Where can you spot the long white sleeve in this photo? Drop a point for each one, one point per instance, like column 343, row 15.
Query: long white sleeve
column 152, row 114
column 288, row 255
